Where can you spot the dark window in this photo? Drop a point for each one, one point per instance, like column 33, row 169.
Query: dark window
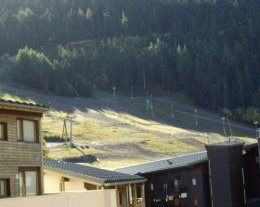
column 195, row 201
column 139, row 191
column 4, row 188
column 120, row 198
column 27, row 130
column 3, row 131
column 177, row 201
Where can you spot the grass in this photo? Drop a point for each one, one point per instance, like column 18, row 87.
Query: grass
column 125, row 137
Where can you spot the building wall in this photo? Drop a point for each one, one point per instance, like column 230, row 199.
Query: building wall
column 52, row 183
column 73, row 185
column 14, row 154
column 106, row 198
column 252, row 172
column 185, row 175
column 226, row 164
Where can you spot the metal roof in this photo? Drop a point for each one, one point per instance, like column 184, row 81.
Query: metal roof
column 165, row 164
column 226, row 145
column 18, row 103
column 99, row 175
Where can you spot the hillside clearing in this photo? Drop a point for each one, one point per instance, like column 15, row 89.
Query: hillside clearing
column 117, row 132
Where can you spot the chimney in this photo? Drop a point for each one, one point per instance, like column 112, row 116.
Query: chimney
column 226, row 174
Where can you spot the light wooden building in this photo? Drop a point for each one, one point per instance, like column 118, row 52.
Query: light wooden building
column 20, row 149
column 62, row 176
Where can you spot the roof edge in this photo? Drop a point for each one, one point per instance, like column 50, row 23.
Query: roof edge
column 164, row 159
column 58, row 170
column 37, row 107
column 125, row 182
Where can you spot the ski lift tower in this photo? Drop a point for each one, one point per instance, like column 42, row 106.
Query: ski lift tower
column 71, row 117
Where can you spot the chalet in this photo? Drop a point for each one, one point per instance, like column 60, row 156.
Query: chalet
column 226, row 175
column 178, row 181
column 20, row 149
column 62, row 176
column 234, row 174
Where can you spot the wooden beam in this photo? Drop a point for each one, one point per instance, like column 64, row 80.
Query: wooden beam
column 127, row 195
column 20, row 113
column 143, row 194
column 62, row 184
column 117, row 197
column 134, row 194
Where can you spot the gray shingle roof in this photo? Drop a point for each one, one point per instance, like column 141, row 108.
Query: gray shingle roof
column 22, row 103
column 101, row 175
column 165, row 164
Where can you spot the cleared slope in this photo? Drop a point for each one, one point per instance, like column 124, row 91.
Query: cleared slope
column 112, row 132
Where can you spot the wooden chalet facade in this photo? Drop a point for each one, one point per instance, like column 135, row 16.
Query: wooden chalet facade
column 20, row 149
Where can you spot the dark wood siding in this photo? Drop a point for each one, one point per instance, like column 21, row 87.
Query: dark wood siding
column 252, row 174
column 225, row 164
column 161, row 195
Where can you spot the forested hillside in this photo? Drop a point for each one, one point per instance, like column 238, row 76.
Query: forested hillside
column 208, row 49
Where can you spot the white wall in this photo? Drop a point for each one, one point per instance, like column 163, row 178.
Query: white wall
column 106, row 198
column 74, row 185
column 52, row 183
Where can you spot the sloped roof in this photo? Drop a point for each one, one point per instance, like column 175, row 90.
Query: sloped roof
column 23, row 104
column 99, row 175
column 165, row 164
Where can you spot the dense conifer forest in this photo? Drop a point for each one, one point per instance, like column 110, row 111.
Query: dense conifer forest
column 207, row 49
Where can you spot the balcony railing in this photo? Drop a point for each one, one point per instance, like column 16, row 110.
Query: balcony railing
column 162, row 194
column 138, row 202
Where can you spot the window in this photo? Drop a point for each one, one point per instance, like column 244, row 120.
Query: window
column 27, row 130
column 29, row 181
column 194, row 181
column 170, row 197
column 165, row 186
column 4, row 188
column 151, row 186
column 176, row 183
column 195, row 201
column 3, row 131
column 139, row 191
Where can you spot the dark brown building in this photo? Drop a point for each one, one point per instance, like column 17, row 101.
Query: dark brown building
column 227, row 175
column 252, row 174
column 179, row 181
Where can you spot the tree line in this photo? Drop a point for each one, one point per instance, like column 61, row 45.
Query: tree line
column 208, row 49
